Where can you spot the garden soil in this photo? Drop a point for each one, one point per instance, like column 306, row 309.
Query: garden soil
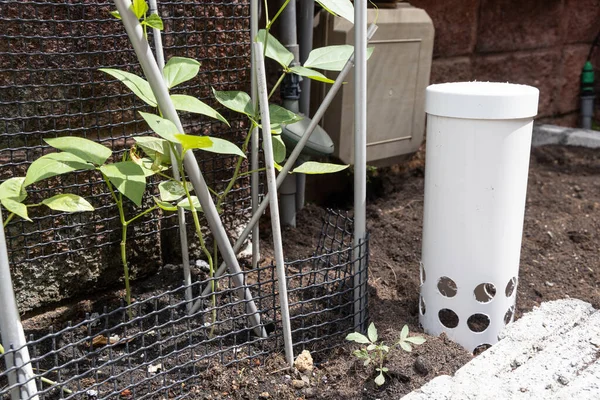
column 560, row 258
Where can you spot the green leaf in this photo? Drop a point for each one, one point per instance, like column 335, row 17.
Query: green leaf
column 367, row 362
column 311, row 74
column 137, row 85
column 275, row 129
column 68, row 202
column 405, row 346
column 332, row 58
column 85, row 149
column 128, row 178
column 280, row 115
column 222, row 146
column 314, row 168
column 13, row 189
column 416, row 340
column 16, row 207
column 357, row 337
column 139, row 8
column 384, row 348
column 157, row 149
column 154, row 21
column 179, row 70
column 380, row 380
column 54, row 164
column 275, row 50
column 343, row 8
column 278, row 149
column 161, row 126
column 185, row 204
column 191, row 104
column 115, row 14
column 404, row 332
column 237, row 101
column 163, row 205
column 371, row 347
column 372, row 333
column 149, row 166
column 171, row 190
column 191, row 142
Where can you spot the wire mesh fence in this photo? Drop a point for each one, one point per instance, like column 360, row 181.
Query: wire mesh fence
column 155, row 349
column 50, row 86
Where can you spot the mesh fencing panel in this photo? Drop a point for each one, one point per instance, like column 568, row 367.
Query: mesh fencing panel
column 50, row 86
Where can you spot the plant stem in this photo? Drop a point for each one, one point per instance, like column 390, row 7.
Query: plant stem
column 124, row 225
column 8, row 219
column 142, row 214
column 251, row 172
column 281, row 78
column 237, row 168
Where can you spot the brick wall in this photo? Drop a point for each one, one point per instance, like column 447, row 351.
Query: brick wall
column 543, row 43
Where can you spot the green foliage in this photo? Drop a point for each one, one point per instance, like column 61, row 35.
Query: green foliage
column 278, row 149
column 171, row 190
column 343, row 8
column 314, row 168
column 179, row 70
column 54, row 164
column 83, row 148
column 236, row 100
column 68, row 203
column 332, row 58
column 154, row 21
column 16, row 208
column 185, row 204
column 161, row 126
column 376, row 352
column 128, row 178
column 139, row 86
column 13, row 189
column 139, row 8
column 274, row 49
column 157, row 149
column 281, row 116
column 310, row 74
column 191, row 104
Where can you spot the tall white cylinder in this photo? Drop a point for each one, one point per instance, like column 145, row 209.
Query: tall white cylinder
column 477, row 161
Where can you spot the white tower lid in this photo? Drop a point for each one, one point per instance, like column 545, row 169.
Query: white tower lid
column 482, row 100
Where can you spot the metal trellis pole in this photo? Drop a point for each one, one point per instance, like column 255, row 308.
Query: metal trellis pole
column 360, row 156
column 17, row 361
column 289, row 164
column 272, row 194
column 255, row 143
column 159, row 88
column 185, row 255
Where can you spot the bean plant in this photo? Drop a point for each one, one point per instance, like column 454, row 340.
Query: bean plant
column 126, row 177
column 376, row 352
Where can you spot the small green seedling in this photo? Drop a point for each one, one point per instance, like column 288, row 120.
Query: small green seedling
column 376, row 352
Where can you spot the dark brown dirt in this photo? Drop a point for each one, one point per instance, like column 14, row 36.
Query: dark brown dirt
column 560, row 258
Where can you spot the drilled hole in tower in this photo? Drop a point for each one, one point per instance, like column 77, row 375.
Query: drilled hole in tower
column 447, row 287
column 478, row 322
column 484, row 292
column 510, row 287
column 448, row 318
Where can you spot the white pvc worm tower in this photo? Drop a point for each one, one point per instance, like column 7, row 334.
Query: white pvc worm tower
column 478, row 145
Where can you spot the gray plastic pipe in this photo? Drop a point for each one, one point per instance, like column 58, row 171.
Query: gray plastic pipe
column 360, row 155
column 161, row 92
column 18, row 362
column 289, row 164
column 265, row 119
column 255, row 143
column 183, row 239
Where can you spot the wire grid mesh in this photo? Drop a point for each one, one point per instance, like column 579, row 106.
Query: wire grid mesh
column 162, row 352
column 50, row 86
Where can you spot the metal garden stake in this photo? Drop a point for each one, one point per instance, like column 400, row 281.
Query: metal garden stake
column 159, row 88
column 263, row 98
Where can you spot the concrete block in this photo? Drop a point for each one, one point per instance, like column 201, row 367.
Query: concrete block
column 509, row 25
column 552, row 134
column 457, row 69
column 455, row 23
column 581, row 19
column 551, row 352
